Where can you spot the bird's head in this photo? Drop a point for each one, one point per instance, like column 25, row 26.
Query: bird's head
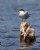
column 21, row 9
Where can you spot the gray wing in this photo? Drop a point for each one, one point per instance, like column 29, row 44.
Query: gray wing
column 27, row 15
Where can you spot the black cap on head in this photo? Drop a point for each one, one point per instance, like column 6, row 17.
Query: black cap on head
column 21, row 10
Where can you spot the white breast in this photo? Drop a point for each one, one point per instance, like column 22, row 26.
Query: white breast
column 22, row 13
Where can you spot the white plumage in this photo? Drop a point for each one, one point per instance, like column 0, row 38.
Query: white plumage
column 23, row 14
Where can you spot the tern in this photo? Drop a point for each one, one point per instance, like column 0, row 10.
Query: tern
column 23, row 14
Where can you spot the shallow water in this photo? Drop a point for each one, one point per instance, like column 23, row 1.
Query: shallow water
column 10, row 22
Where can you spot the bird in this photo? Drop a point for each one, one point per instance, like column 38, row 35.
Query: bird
column 23, row 14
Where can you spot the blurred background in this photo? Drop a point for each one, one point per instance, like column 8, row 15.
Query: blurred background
column 10, row 23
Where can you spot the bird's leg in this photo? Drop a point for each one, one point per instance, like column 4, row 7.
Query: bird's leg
column 23, row 20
